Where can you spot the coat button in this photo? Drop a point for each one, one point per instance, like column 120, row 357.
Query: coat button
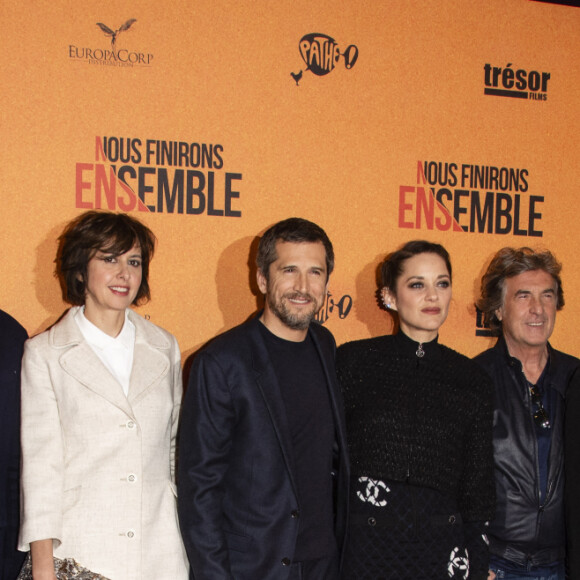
column 452, row 519
column 131, row 424
column 372, row 522
column 130, row 534
column 132, row 478
column 295, row 514
column 285, row 561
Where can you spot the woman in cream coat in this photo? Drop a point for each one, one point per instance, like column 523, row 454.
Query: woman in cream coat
column 101, row 392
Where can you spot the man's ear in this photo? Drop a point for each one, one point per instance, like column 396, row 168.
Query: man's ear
column 262, row 282
column 498, row 314
column 389, row 299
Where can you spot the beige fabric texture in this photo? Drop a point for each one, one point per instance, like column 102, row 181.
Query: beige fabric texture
column 98, row 467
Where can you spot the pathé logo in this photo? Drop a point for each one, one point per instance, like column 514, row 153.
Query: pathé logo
column 321, row 53
column 341, row 306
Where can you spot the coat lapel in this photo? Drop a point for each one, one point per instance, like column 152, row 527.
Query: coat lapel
column 82, row 364
column 269, row 387
column 150, row 360
column 149, row 367
column 331, row 381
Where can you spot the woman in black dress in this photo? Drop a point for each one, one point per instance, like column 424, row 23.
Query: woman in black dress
column 419, row 419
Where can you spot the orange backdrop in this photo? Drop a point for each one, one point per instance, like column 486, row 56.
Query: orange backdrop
column 373, row 119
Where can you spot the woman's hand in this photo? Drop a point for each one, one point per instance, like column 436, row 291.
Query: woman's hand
column 42, row 560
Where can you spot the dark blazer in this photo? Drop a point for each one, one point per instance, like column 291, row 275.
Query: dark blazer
column 12, row 337
column 237, row 498
column 572, row 482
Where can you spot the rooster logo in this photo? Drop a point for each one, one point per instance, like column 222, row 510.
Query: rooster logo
column 114, row 33
column 297, row 76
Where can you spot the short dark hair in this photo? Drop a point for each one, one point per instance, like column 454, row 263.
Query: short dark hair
column 510, row 262
column 392, row 267
column 105, row 231
column 296, row 230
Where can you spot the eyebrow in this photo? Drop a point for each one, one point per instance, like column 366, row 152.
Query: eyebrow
column 138, row 254
column 423, row 277
column 292, row 265
column 524, row 291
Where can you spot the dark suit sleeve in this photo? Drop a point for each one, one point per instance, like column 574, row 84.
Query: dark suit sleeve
column 572, row 465
column 12, row 337
column 207, row 425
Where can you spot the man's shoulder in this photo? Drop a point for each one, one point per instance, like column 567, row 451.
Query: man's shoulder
column 234, row 351
column 247, row 337
column 563, row 366
column 564, row 358
column 494, row 363
column 491, row 355
column 486, row 355
column 496, row 359
column 11, row 331
column 236, row 339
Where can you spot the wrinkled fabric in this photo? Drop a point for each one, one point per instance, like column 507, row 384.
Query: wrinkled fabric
column 67, row 569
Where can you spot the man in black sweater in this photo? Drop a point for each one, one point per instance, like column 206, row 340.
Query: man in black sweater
column 263, row 473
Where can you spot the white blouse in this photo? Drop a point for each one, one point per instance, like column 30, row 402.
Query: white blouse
column 115, row 353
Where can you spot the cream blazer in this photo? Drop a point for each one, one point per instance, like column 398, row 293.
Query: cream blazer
column 98, row 466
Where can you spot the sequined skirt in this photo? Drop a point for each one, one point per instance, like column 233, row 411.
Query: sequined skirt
column 67, row 569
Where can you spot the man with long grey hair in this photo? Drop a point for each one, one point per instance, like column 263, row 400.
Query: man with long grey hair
column 521, row 292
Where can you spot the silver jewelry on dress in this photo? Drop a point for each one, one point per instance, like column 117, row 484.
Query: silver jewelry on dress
column 420, row 352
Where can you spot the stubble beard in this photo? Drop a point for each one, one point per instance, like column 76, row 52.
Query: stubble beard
column 291, row 320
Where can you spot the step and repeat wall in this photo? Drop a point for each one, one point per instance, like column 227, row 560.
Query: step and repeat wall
column 451, row 121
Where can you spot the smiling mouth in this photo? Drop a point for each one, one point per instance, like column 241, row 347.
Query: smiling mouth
column 119, row 289
column 299, row 299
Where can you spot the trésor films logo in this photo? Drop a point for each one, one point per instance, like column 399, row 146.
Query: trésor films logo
column 514, row 82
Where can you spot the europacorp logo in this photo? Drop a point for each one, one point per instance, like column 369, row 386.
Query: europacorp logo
column 517, row 83
column 113, row 56
column 321, row 54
